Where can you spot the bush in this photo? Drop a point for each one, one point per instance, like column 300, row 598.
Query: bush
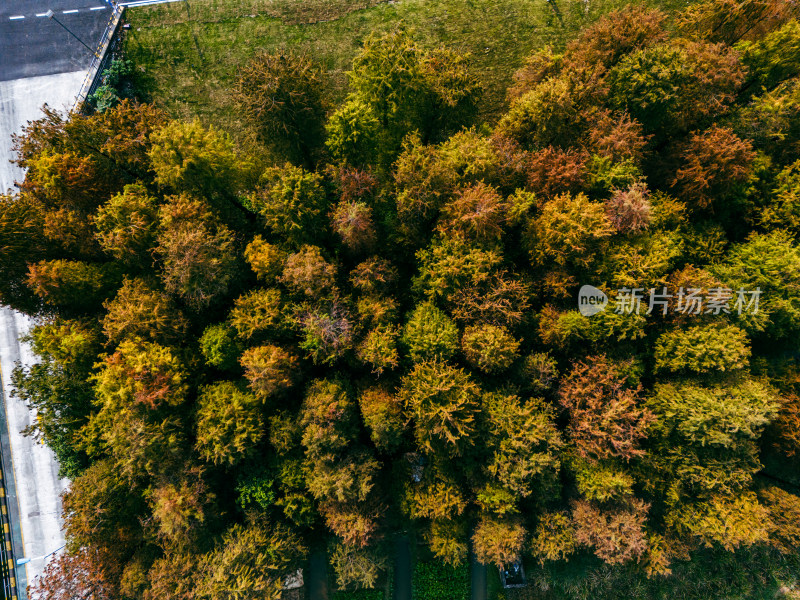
column 434, row 580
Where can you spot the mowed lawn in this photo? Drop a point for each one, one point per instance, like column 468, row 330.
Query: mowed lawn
column 189, row 53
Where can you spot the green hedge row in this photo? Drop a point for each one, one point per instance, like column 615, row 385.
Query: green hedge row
column 434, row 580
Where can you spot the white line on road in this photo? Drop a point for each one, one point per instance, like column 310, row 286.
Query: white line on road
column 41, row 14
column 69, row 12
column 15, row 18
column 98, row 8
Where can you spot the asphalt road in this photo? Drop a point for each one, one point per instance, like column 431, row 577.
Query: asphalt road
column 32, row 45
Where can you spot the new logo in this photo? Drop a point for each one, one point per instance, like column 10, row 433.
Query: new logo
column 591, row 300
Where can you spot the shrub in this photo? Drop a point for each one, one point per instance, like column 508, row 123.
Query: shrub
column 434, row 580
column 359, row 595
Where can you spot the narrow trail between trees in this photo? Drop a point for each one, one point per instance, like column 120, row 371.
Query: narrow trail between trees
column 477, row 574
column 318, row 576
column 402, row 569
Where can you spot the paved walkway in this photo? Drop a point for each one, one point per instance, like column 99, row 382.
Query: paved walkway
column 402, row 569
column 318, row 576
column 477, row 573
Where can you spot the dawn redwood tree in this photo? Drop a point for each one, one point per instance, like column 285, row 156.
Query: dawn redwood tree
column 74, row 575
column 397, row 87
column 711, row 165
column 143, row 311
column 607, row 418
column 443, row 403
column 616, row 535
column 229, row 423
column 127, row 225
column 189, row 158
column 57, row 387
column 283, row 97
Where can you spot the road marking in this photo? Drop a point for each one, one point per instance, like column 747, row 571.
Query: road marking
column 15, row 18
column 41, row 14
column 98, row 8
column 69, row 12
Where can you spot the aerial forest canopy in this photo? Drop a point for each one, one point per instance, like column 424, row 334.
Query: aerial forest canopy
column 377, row 329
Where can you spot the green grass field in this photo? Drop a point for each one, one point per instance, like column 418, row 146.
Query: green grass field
column 189, row 53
